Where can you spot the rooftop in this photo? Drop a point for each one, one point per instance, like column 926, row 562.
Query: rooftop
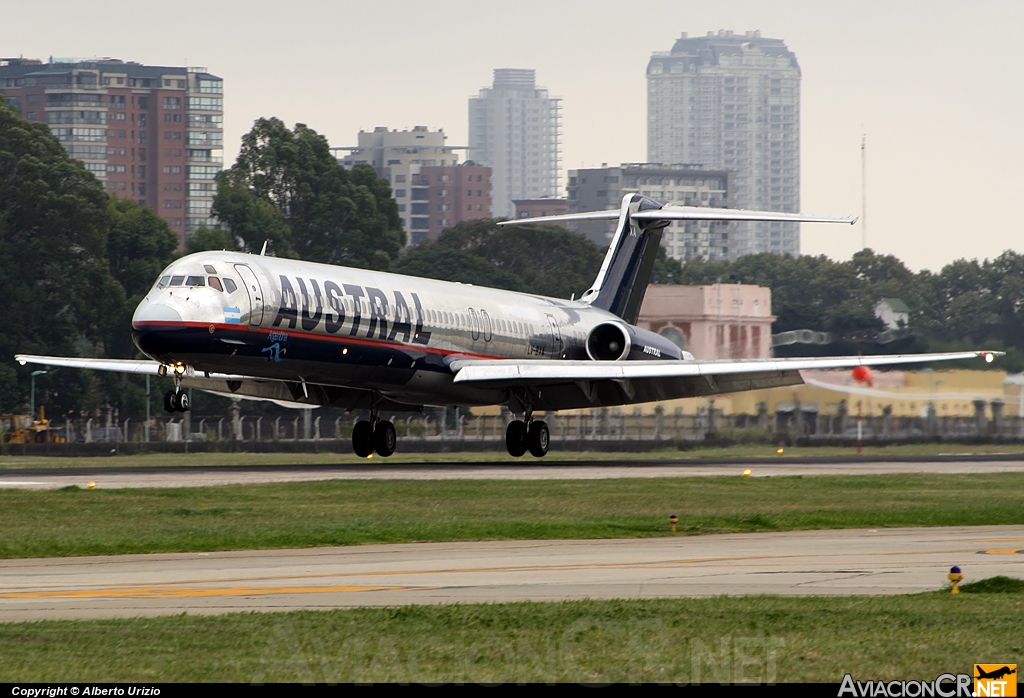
column 30, row 67
column 710, row 48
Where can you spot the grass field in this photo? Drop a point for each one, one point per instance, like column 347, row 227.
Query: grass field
column 347, row 458
column 717, row 640
column 91, row 522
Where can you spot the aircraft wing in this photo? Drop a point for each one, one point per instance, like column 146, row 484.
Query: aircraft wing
column 287, row 393
column 140, row 367
column 575, row 384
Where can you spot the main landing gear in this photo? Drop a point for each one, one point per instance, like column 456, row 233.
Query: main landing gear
column 532, row 435
column 375, row 434
column 176, row 401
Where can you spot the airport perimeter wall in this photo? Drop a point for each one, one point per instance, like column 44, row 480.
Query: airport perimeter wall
column 607, row 429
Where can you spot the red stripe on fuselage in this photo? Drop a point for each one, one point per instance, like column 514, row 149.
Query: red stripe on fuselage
column 309, row 335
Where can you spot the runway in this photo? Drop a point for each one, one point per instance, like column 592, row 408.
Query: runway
column 208, row 476
column 869, row 562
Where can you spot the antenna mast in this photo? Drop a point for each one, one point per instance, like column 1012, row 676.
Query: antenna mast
column 863, row 190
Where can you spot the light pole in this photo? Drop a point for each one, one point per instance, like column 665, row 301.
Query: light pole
column 34, row 374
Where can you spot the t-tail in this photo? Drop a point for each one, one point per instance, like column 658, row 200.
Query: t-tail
column 626, row 270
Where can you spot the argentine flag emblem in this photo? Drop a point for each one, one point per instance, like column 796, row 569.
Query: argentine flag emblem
column 232, row 315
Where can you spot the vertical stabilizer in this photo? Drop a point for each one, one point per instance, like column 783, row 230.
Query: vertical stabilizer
column 626, row 270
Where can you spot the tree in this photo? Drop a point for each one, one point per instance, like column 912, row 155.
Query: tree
column 543, row 259
column 432, row 261
column 209, row 238
column 288, row 188
column 54, row 280
column 139, row 245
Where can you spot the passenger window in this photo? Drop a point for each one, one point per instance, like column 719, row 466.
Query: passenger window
column 164, row 280
column 215, row 283
column 176, row 280
column 195, row 281
column 229, row 285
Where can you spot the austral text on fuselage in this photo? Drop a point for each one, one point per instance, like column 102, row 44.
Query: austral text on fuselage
column 310, row 303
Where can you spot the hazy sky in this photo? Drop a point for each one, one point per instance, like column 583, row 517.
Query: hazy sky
column 938, row 86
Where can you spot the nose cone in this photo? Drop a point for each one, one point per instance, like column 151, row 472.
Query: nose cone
column 154, row 312
column 149, row 336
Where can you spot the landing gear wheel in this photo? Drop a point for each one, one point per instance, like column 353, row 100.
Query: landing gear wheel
column 169, row 402
column 362, row 439
column 515, row 438
column 538, row 438
column 384, row 438
column 182, row 402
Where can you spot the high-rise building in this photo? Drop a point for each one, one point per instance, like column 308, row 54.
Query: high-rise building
column 732, row 102
column 432, row 189
column 514, row 129
column 154, row 134
column 602, row 188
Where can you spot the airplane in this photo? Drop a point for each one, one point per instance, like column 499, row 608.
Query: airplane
column 307, row 334
column 994, row 674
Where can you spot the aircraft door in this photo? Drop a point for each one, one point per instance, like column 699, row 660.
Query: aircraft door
column 255, row 291
column 556, row 337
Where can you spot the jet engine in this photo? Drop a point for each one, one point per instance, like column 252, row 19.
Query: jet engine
column 617, row 341
column 608, row 341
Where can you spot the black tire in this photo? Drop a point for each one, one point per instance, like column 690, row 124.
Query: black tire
column 362, row 439
column 538, row 438
column 385, row 440
column 182, row 402
column 169, row 404
column 515, row 438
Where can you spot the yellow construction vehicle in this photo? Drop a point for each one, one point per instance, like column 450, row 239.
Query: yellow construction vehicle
column 22, row 429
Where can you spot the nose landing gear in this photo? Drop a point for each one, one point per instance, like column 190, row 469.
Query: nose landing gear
column 176, row 401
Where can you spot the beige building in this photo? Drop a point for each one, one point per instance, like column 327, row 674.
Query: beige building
column 721, row 321
column 383, row 147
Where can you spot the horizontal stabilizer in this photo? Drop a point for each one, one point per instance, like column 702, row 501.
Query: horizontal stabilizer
column 684, row 213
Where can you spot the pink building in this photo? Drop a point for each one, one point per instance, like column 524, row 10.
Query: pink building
column 721, row 321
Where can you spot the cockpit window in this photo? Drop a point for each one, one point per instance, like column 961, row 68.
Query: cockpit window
column 196, row 281
column 209, row 269
column 215, row 283
column 177, row 280
column 229, row 285
column 164, row 280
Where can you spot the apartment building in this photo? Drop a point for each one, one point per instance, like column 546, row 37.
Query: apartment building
column 432, row 198
column 154, row 134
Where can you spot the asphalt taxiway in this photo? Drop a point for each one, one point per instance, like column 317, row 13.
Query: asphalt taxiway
column 107, row 477
column 841, row 562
